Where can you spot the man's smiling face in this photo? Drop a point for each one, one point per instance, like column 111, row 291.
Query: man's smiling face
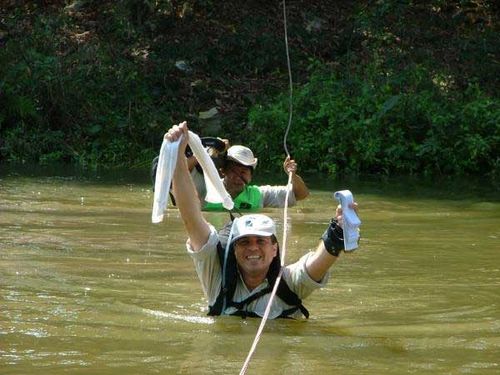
column 254, row 255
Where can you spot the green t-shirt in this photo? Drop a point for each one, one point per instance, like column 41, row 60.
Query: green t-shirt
column 249, row 199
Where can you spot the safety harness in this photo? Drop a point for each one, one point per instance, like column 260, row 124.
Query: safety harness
column 230, row 279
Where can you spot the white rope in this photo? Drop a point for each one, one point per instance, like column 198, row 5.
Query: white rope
column 285, row 213
column 290, row 82
column 275, row 288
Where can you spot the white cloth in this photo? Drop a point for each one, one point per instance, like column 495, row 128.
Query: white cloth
column 164, row 172
column 216, row 192
column 350, row 219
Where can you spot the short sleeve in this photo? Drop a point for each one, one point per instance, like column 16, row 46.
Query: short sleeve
column 274, row 196
column 298, row 278
column 207, row 266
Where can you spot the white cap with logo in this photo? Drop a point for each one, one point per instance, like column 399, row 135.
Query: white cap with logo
column 253, row 225
column 242, row 155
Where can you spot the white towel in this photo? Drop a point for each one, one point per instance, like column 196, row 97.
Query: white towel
column 350, row 219
column 216, row 192
column 164, row 173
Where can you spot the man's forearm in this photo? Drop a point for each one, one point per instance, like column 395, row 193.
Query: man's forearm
column 318, row 263
column 189, row 205
column 300, row 189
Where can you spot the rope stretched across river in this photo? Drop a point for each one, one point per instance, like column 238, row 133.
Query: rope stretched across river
column 277, row 282
column 285, row 211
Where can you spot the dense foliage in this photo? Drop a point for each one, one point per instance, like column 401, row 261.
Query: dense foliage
column 379, row 86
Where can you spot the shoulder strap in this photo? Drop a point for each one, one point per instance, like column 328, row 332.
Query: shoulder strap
column 229, row 275
column 290, row 298
column 216, row 308
column 284, row 292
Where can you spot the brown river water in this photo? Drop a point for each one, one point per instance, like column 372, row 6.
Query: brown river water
column 89, row 286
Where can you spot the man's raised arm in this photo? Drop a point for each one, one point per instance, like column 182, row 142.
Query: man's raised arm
column 185, row 192
column 329, row 247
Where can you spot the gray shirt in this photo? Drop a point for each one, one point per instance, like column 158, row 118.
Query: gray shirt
column 274, row 196
column 209, row 272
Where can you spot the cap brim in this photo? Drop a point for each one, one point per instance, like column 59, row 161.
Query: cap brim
column 253, row 164
column 256, row 233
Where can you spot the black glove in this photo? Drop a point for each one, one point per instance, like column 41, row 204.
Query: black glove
column 333, row 238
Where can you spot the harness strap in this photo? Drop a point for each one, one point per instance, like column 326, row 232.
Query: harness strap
column 283, row 292
column 222, row 298
column 240, row 305
column 250, row 314
column 289, row 297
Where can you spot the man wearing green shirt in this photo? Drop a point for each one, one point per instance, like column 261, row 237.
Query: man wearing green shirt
column 237, row 173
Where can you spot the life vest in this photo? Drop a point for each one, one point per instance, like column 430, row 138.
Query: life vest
column 249, row 199
column 230, row 279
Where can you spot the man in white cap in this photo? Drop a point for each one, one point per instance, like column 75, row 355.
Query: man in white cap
column 237, row 173
column 238, row 272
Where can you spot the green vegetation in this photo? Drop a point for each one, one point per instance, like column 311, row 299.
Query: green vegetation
column 383, row 125
column 379, row 86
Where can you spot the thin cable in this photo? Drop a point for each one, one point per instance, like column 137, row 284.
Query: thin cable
column 290, row 82
column 285, row 214
column 275, row 287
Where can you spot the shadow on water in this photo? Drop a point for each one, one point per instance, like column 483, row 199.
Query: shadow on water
column 74, row 173
column 440, row 187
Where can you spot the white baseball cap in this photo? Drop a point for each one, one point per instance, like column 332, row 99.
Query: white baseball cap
column 253, row 225
column 242, row 155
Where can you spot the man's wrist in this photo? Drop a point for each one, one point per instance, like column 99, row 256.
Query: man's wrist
column 333, row 238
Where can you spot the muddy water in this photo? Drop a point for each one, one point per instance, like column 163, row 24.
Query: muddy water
column 89, row 286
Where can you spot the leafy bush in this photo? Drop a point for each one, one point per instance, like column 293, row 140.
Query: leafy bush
column 74, row 101
column 368, row 123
